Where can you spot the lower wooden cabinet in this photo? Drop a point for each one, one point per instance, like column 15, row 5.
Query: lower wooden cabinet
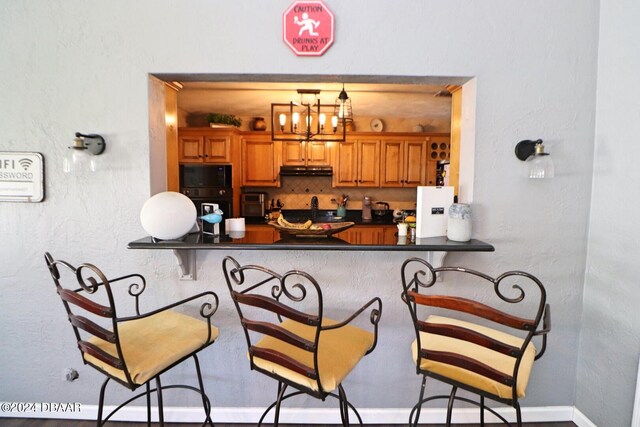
column 262, row 233
column 390, row 235
column 363, row 235
column 358, row 234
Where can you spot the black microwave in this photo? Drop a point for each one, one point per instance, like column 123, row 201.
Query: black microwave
column 205, row 176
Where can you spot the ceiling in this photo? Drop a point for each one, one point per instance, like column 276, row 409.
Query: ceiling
column 404, row 100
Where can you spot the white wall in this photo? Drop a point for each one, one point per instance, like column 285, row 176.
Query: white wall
column 74, row 65
column 610, row 343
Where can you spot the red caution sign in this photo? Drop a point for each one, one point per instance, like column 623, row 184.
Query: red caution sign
column 307, row 28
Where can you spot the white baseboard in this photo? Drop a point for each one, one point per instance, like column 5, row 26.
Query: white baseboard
column 317, row 415
column 581, row 420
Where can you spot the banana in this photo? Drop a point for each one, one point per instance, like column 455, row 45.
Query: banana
column 297, row 226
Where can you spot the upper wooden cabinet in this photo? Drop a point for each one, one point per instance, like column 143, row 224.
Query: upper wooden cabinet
column 201, row 145
column 357, row 163
column 261, row 160
column 306, row 153
column 403, row 162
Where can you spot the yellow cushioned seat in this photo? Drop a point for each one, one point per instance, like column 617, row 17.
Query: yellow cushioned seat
column 339, row 351
column 151, row 344
column 498, row 361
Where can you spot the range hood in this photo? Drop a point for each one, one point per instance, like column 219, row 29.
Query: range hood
column 306, row 171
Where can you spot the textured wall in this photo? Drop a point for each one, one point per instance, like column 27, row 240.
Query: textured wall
column 74, row 65
column 610, row 342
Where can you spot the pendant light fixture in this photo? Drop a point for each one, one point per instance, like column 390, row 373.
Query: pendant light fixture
column 343, row 109
column 309, row 119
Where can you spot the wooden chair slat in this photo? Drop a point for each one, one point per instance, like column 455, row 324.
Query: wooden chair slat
column 468, row 364
column 470, row 336
column 85, row 303
column 276, row 307
column 284, row 360
column 472, row 307
column 93, row 328
column 279, row 333
column 99, row 354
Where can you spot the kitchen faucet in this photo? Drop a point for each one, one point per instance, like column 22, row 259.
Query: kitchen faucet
column 314, row 208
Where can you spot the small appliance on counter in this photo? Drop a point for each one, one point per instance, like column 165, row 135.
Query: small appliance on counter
column 366, row 208
column 381, row 209
column 432, row 208
column 253, row 205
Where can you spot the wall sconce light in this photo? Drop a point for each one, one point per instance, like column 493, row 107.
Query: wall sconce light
column 81, row 155
column 539, row 163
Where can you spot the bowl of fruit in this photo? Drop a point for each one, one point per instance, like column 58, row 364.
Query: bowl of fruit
column 309, row 228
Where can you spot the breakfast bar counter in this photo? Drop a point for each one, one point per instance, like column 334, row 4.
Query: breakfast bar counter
column 256, row 240
column 435, row 248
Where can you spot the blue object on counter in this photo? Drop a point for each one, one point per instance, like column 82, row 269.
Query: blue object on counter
column 213, row 218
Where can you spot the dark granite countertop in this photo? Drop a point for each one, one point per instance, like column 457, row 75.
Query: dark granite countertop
column 254, row 240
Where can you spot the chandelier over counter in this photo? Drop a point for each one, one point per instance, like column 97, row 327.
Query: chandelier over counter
column 310, row 119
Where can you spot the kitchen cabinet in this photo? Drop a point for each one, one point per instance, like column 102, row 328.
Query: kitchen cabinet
column 306, row 153
column 201, row 145
column 403, row 162
column 390, row 234
column 363, row 235
column 357, row 163
column 261, row 234
column 261, row 159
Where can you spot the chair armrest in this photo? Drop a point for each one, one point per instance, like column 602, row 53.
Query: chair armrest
column 374, row 318
column 207, row 309
column 546, row 328
column 135, row 288
column 546, row 322
column 117, row 279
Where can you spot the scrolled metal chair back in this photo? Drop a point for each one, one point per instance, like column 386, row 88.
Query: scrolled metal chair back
column 420, row 281
column 278, row 297
column 87, row 312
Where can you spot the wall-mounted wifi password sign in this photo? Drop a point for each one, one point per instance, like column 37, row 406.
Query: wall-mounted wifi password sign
column 21, row 177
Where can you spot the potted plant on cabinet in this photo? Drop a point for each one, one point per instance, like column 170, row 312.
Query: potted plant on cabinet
column 217, row 119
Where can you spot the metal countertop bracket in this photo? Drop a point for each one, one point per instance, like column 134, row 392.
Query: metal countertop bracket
column 187, row 263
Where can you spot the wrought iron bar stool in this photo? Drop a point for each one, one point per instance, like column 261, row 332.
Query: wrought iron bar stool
column 493, row 362
column 134, row 350
column 291, row 341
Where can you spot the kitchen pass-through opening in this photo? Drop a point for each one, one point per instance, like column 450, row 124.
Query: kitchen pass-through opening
column 400, row 103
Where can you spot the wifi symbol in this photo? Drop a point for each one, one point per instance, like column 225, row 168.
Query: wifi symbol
column 25, row 163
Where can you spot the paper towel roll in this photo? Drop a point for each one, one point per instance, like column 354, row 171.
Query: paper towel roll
column 236, row 224
column 236, row 234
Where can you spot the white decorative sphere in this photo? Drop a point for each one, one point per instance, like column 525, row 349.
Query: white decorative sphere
column 168, row 215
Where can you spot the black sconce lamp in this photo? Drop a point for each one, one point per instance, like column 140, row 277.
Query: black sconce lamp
column 82, row 153
column 540, row 164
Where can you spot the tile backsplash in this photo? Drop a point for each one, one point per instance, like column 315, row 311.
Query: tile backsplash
column 296, row 192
